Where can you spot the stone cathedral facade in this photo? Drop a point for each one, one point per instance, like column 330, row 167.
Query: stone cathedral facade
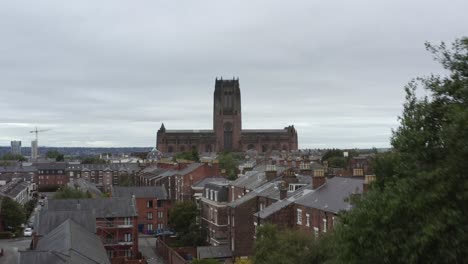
column 227, row 133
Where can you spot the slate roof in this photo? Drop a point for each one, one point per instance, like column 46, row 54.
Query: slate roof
column 68, row 243
column 191, row 167
column 14, row 187
column 273, row 208
column 157, row 192
column 214, row 252
column 269, row 190
column 51, row 165
column 255, row 178
column 103, row 207
column 331, row 196
column 201, row 183
column 48, row 220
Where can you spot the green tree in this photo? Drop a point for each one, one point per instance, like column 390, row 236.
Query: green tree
column 337, row 162
column 12, row 213
column 417, row 210
column 183, row 219
column 10, row 156
column 332, row 153
column 229, row 164
column 54, row 154
column 188, row 155
column 29, row 207
column 274, row 246
column 71, row 193
column 93, row 160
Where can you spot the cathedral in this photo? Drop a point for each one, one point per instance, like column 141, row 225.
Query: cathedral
column 227, row 133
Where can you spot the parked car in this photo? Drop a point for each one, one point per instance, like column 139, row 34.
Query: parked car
column 27, row 232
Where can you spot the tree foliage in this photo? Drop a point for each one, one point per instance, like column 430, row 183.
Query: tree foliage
column 188, row 155
column 274, row 246
column 12, row 213
column 93, row 160
column 417, row 210
column 54, row 154
column 29, row 207
column 71, row 193
column 16, row 157
column 228, row 163
column 183, row 219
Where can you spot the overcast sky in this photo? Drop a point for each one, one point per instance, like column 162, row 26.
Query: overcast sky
column 107, row 73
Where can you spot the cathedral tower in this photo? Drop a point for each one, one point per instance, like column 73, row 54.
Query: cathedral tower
column 227, row 118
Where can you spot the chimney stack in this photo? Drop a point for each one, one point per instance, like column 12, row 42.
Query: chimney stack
column 270, row 172
column 368, row 179
column 78, row 205
column 283, row 190
column 305, row 168
column 318, row 181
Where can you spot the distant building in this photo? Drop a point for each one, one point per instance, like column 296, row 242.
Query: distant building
column 227, row 133
column 34, row 150
column 16, row 147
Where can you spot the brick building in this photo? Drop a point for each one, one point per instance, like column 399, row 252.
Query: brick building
column 152, row 204
column 314, row 209
column 116, row 222
column 227, row 133
column 104, row 175
column 178, row 179
column 51, row 174
column 213, row 211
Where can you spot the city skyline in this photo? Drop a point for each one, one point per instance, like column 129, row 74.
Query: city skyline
column 103, row 77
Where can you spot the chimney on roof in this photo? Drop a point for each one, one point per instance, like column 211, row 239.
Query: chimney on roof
column 78, row 205
column 305, row 169
column 270, row 172
column 317, row 181
column 283, row 190
column 368, row 179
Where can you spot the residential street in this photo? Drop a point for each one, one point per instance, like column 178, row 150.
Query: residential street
column 11, row 247
column 147, row 248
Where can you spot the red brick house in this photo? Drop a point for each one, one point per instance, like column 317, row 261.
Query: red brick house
column 51, row 174
column 116, row 222
column 178, row 181
column 313, row 209
column 152, row 205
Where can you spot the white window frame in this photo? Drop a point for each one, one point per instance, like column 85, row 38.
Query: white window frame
column 299, row 216
column 307, row 219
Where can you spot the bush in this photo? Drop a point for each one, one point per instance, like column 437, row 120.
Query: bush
column 6, row 235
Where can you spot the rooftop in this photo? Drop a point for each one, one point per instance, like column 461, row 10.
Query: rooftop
column 157, row 192
column 104, row 207
column 67, row 243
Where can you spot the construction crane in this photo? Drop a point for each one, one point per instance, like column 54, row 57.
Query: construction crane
column 37, row 131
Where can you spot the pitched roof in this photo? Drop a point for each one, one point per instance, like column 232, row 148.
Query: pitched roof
column 158, row 192
column 67, row 243
column 103, row 207
column 332, row 196
column 269, row 190
column 47, row 220
column 201, row 183
column 51, row 165
column 255, row 178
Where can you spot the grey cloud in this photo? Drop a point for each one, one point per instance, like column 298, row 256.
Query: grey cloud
column 109, row 72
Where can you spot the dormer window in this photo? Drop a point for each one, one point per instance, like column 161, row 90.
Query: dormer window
column 207, row 193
